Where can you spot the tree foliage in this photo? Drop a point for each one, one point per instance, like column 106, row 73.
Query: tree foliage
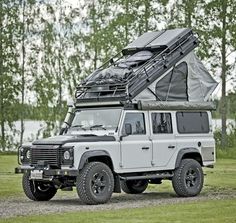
column 48, row 46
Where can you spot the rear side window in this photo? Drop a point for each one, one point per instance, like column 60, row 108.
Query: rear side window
column 161, row 123
column 192, row 122
column 137, row 123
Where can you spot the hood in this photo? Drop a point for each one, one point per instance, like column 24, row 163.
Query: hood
column 62, row 139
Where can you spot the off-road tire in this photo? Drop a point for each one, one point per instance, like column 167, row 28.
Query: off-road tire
column 188, row 178
column 88, row 187
column 134, row 186
column 37, row 190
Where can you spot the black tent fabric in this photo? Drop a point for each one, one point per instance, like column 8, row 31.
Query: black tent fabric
column 120, row 71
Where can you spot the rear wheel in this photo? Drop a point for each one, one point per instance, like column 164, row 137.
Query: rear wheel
column 134, row 186
column 95, row 183
column 37, row 190
column 188, row 178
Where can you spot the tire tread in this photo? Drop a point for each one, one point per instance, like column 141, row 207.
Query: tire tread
column 30, row 192
column 177, row 181
column 82, row 188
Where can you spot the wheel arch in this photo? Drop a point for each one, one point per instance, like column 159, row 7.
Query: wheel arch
column 96, row 155
column 188, row 153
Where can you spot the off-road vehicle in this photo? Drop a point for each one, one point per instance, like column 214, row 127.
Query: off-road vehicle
column 142, row 117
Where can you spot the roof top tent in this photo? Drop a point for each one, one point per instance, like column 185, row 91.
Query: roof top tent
column 158, row 66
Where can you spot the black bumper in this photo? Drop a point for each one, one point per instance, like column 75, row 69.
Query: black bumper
column 50, row 172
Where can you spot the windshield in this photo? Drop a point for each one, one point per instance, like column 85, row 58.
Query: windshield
column 96, row 119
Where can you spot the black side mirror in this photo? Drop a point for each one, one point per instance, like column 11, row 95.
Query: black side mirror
column 128, row 129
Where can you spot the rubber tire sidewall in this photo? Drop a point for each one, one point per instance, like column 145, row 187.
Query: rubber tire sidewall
column 83, row 184
column 178, row 180
column 33, row 193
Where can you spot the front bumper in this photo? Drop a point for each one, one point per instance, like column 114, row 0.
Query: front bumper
column 49, row 172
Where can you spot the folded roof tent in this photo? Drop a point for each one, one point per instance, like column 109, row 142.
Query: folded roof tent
column 158, row 66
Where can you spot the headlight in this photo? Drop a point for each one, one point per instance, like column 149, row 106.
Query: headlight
column 67, row 155
column 24, row 154
column 28, row 154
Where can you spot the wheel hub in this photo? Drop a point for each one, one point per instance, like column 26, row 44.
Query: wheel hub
column 98, row 183
column 191, row 177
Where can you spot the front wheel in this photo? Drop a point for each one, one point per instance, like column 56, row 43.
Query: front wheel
column 188, row 178
column 95, row 183
column 134, row 186
column 37, row 190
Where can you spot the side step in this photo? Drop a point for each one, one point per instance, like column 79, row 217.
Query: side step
column 152, row 176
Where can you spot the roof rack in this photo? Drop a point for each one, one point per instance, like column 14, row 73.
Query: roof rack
column 167, row 47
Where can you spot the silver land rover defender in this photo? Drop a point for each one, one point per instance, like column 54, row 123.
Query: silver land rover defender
column 142, row 117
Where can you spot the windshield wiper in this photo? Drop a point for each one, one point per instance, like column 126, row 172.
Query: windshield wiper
column 97, row 126
column 78, row 126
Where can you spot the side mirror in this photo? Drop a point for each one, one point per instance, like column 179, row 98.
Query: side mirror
column 128, row 129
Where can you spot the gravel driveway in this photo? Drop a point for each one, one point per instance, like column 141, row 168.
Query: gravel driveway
column 12, row 207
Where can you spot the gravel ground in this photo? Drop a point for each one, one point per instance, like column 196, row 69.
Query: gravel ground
column 12, row 207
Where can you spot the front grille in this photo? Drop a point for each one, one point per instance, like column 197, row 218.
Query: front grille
column 48, row 153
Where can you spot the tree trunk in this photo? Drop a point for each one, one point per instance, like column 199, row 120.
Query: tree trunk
column 22, row 77
column 94, row 22
column 223, row 76
column 2, row 123
column 188, row 13
column 147, row 14
column 126, row 23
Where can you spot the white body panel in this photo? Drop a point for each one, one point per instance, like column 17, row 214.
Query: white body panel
column 136, row 150
column 161, row 150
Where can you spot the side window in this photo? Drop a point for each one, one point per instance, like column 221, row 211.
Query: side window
column 161, row 123
column 136, row 120
column 192, row 122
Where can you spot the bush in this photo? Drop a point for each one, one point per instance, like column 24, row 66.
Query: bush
column 228, row 153
column 8, row 153
column 230, row 150
column 230, row 138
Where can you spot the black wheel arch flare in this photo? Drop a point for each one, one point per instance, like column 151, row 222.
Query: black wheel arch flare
column 190, row 153
column 96, row 155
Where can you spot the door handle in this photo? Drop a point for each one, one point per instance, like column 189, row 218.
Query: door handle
column 145, row 148
column 171, row 147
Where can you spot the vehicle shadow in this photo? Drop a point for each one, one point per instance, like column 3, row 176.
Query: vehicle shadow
column 118, row 198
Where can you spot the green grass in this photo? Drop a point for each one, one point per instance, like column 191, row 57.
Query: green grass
column 222, row 177
column 10, row 183
column 218, row 211
column 220, row 180
column 227, row 153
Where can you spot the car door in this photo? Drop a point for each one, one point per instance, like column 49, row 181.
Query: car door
column 163, row 139
column 136, row 148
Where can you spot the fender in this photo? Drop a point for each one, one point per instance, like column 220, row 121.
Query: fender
column 185, row 151
column 93, row 153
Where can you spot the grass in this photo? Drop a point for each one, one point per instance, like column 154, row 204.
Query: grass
column 198, row 212
column 221, row 179
column 10, row 183
column 227, row 153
